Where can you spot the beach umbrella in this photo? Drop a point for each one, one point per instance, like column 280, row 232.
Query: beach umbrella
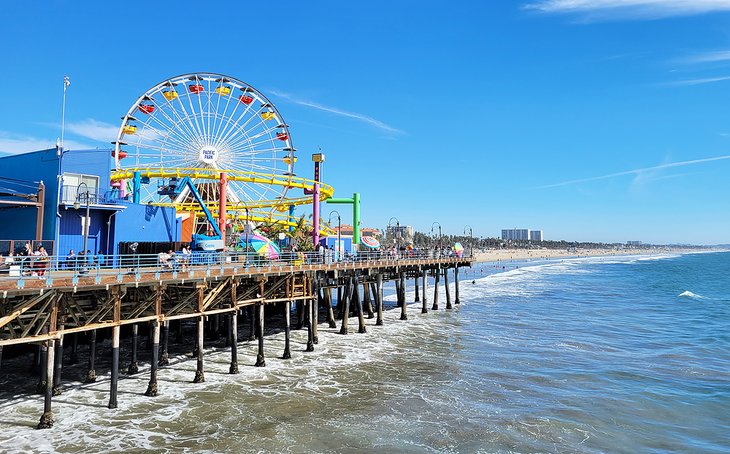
column 261, row 245
column 370, row 242
column 459, row 249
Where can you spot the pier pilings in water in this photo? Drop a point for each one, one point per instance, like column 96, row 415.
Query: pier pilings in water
column 45, row 314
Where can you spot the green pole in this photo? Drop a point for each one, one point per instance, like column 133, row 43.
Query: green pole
column 355, row 202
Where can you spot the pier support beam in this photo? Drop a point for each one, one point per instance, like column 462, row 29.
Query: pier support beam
column 43, row 356
column 91, row 374
column 379, row 298
column 164, row 355
column 233, row 369
column 437, row 277
column 345, row 307
column 358, row 305
column 287, row 330
column 446, row 287
column 368, row 300
column 310, row 326
column 251, row 323
column 133, row 367
column 456, row 285
column 403, row 314
column 152, row 386
column 315, row 308
column 74, row 350
column 46, row 421
column 330, row 310
column 424, row 281
column 115, row 368
column 199, row 372
column 260, row 358
column 415, row 284
column 58, row 365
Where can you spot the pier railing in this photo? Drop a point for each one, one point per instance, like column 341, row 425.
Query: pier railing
column 18, row 270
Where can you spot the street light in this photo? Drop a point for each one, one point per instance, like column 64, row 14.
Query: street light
column 471, row 240
column 339, row 229
column 397, row 234
column 87, row 220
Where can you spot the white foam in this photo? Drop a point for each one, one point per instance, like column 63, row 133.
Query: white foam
column 688, row 294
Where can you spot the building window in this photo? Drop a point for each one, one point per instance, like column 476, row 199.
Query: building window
column 70, row 186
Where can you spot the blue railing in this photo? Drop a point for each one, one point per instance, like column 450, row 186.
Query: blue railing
column 166, row 265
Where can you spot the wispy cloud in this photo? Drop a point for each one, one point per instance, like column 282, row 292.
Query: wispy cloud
column 702, row 81
column 630, row 9
column 636, row 172
column 11, row 143
column 93, row 129
column 706, row 57
column 357, row 116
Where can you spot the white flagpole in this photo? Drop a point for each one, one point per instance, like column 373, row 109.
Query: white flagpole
column 66, row 83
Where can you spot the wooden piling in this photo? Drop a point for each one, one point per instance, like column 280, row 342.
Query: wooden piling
column 437, row 276
column 233, row 369
column 424, row 282
column 379, row 298
column 358, row 305
column 346, row 307
column 164, row 355
column 330, row 310
column 41, row 386
column 403, row 314
column 133, row 367
column 199, row 372
column 58, row 365
column 415, row 284
column 368, row 300
column 287, row 330
column 251, row 323
column 310, row 328
column 446, row 287
column 260, row 359
column 91, row 374
column 46, row 421
column 115, row 368
column 456, row 285
column 152, row 386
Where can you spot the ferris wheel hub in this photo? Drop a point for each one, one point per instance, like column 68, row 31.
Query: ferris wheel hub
column 208, row 154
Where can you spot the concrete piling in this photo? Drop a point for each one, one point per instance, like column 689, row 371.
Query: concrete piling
column 446, row 287
column 424, row 282
column 199, row 373
column 358, row 305
column 403, row 314
column 152, row 386
column 260, row 358
column 233, row 327
column 287, row 330
column 115, row 368
column 437, row 276
column 91, row 374
column 133, row 366
column 46, row 421
column 379, row 298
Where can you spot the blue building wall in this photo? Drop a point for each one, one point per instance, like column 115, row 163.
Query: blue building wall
column 41, row 165
column 143, row 223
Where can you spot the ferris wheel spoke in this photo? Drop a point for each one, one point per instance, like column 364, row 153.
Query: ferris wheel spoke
column 248, row 111
column 192, row 115
column 224, row 114
column 183, row 133
column 158, row 135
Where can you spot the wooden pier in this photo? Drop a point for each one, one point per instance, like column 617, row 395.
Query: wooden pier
column 46, row 311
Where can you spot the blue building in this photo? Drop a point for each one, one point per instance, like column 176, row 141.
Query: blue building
column 74, row 179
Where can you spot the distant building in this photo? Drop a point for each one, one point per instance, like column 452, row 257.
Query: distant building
column 633, row 243
column 535, row 235
column 403, row 233
column 516, row 234
column 347, row 230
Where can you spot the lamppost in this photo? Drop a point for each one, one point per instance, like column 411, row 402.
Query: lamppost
column 339, row 229
column 439, row 244
column 397, row 234
column 87, row 220
column 471, row 240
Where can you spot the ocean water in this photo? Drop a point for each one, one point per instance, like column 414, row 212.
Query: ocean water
column 590, row 355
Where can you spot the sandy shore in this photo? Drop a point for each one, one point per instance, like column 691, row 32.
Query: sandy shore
column 525, row 254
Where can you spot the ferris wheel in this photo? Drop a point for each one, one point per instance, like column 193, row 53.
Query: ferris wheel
column 198, row 126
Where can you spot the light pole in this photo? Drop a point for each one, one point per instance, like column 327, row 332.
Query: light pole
column 339, row 229
column 66, row 83
column 439, row 244
column 397, row 234
column 471, row 240
column 87, row 220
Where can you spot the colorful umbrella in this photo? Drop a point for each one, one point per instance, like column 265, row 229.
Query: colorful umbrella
column 261, row 245
column 459, row 249
column 370, row 242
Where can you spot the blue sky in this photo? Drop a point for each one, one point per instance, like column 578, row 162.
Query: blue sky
column 598, row 120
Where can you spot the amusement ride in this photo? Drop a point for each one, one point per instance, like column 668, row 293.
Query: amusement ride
column 218, row 151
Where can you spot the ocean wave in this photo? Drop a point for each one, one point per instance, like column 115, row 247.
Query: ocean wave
column 688, row 294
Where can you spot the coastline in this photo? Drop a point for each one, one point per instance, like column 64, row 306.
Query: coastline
column 507, row 255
